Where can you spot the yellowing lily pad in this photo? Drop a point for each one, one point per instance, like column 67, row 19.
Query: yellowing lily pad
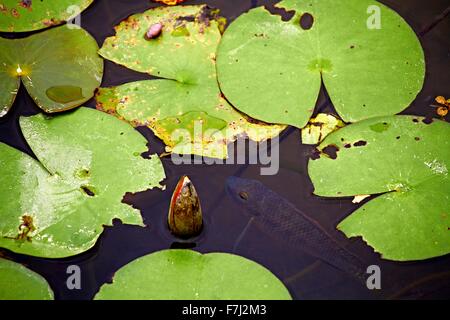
column 189, row 275
column 405, row 161
column 272, row 69
column 185, row 109
column 319, row 127
column 20, row 283
column 55, row 206
column 29, row 15
column 60, row 69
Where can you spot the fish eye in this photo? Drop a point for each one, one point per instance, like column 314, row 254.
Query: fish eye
column 243, row 195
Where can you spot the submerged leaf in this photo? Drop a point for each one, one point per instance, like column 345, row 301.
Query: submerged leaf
column 272, row 69
column 87, row 161
column 185, row 109
column 189, row 275
column 60, row 69
column 20, row 283
column 29, row 15
column 406, row 160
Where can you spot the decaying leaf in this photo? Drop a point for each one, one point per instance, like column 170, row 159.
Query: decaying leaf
column 55, row 206
column 404, row 160
column 29, row 15
column 169, row 2
column 319, row 127
column 359, row 198
column 188, row 275
column 185, row 109
column 272, row 69
column 20, row 283
column 60, row 69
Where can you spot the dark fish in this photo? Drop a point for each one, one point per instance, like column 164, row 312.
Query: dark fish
column 280, row 218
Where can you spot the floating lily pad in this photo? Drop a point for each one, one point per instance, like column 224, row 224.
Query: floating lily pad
column 87, row 161
column 60, row 69
column 188, row 97
column 272, row 69
column 29, row 15
column 404, row 161
column 20, row 283
column 189, row 275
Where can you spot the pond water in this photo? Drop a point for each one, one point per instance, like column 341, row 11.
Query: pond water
column 227, row 227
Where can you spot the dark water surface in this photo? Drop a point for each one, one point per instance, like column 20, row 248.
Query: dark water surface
column 224, row 221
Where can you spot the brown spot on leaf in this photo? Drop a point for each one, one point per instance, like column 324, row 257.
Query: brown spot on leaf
column 360, row 143
column 25, row 228
column 15, row 13
column 306, row 21
column 331, row 151
column 315, row 154
column 427, row 120
column 417, row 138
column 347, row 145
column 25, row 4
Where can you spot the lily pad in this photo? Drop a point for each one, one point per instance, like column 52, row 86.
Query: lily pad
column 20, row 283
column 60, row 69
column 87, row 160
column 272, row 69
column 29, row 15
column 188, row 275
column 404, row 160
column 185, row 108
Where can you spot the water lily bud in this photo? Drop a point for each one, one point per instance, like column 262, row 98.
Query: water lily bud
column 154, row 31
column 185, row 213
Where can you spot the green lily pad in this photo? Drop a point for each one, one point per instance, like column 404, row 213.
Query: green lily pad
column 29, row 15
column 272, row 69
column 188, row 275
column 20, row 283
column 87, row 160
column 60, row 69
column 404, row 161
column 188, row 96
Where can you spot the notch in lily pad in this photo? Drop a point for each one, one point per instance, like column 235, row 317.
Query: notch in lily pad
column 366, row 72
column 404, row 162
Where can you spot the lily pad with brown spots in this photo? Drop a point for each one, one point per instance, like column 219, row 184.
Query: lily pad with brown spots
column 404, row 162
column 29, row 15
column 185, row 108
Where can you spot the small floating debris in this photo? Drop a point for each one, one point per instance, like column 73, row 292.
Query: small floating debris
column 154, row 31
column 444, row 106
